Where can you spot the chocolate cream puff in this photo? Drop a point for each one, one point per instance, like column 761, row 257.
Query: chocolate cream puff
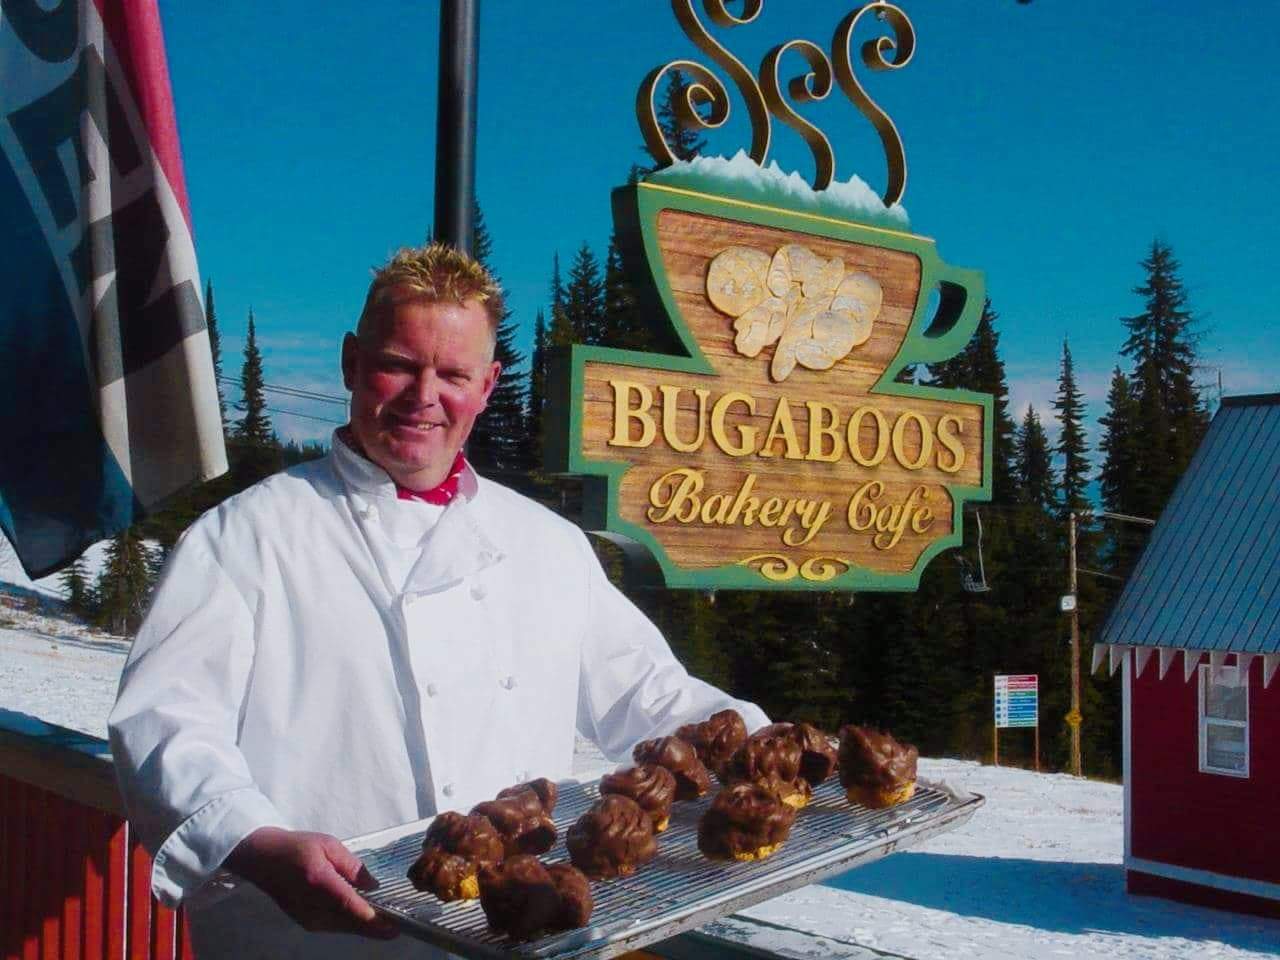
column 875, row 769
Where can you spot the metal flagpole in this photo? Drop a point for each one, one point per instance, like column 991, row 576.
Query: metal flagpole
column 456, row 123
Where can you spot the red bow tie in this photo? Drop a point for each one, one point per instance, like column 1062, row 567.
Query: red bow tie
column 443, row 493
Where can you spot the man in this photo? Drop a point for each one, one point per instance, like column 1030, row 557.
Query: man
column 369, row 639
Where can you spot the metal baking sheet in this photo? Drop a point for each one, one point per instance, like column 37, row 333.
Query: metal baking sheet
column 679, row 890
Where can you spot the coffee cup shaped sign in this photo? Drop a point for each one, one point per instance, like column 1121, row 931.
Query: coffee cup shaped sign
column 780, row 453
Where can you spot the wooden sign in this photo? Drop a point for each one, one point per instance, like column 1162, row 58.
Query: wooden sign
column 780, row 453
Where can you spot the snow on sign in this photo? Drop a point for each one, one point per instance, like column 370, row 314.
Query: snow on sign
column 1017, row 702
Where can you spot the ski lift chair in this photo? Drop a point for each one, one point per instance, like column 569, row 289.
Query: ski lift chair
column 971, row 583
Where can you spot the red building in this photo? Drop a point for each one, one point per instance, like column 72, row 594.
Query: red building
column 1197, row 633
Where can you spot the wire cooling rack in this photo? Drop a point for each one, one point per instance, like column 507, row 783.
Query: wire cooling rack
column 678, row 890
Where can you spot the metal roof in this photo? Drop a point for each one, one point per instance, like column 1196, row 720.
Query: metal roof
column 1209, row 579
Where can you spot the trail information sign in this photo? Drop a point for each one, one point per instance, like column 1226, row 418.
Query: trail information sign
column 1017, row 701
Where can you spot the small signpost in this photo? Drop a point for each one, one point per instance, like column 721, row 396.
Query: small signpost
column 1017, row 704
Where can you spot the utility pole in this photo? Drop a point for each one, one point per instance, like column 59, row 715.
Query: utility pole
column 1074, row 718
column 456, row 123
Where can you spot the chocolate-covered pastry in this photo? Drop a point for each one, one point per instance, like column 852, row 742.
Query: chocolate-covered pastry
column 715, row 739
column 522, row 816
column 817, row 755
column 612, row 838
column 651, row 786
column 745, row 821
column 544, row 789
column 692, row 779
column 772, row 762
column 576, row 903
column 519, row 897
column 454, row 848
column 875, row 770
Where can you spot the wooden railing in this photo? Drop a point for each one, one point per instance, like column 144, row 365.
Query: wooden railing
column 74, row 885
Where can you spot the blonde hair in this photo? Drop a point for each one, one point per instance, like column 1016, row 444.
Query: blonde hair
column 435, row 273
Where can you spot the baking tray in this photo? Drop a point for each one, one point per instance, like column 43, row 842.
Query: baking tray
column 676, row 891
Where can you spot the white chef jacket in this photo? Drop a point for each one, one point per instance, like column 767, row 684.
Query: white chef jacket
column 321, row 655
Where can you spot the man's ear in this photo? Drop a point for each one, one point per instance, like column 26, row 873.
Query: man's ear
column 491, row 380
column 350, row 351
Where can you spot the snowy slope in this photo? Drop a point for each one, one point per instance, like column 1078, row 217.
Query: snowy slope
column 1035, row 874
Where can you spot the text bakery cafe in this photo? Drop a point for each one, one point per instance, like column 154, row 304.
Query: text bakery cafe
column 782, row 450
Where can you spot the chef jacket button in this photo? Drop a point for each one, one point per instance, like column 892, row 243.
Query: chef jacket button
column 370, row 512
column 432, row 689
column 477, row 592
column 508, row 683
column 447, row 790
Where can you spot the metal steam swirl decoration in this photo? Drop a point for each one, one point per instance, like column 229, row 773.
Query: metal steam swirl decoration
column 765, row 96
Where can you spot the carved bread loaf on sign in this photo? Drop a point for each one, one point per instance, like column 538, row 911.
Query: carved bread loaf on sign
column 804, row 303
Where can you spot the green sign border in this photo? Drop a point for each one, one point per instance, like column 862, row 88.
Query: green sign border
column 929, row 340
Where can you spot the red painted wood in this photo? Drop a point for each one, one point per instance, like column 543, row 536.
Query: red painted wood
column 164, row 931
column 1144, row 884
column 185, row 950
column 117, row 856
column 10, row 926
column 1204, row 821
column 74, row 835
column 28, row 882
column 139, row 902
column 47, row 858
column 97, row 830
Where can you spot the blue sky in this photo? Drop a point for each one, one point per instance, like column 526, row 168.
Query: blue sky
column 1047, row 146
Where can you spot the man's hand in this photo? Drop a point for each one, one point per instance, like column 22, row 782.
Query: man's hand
column 313, row 878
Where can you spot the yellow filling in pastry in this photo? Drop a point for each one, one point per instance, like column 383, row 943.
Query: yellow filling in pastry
column 759, row 854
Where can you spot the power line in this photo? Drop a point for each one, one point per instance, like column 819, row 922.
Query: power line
column 290, row 391
column 305, row 416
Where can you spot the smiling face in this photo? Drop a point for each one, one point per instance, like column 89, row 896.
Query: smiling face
column 419, row 375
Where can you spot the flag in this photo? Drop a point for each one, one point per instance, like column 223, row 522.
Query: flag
column 108, row 402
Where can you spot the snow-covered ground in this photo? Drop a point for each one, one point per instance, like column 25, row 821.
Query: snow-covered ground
column 1035, row 874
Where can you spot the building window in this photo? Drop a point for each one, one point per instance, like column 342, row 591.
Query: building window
column 1224, row 721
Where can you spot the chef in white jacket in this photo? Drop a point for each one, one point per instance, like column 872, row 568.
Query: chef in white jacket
column 369, row 639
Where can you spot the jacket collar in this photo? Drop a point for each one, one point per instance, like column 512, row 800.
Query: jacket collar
column 458, row 546
column 361, row 475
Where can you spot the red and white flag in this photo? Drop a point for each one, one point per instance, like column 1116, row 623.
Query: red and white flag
column 108, row 402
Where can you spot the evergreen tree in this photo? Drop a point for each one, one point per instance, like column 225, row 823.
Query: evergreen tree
column 1161, row 345
column 1120, row 446
column 979, row 367
column 1033, row 466
column 1071, row 446
column 624, row 326
column 684, row 142
column 584, row 298
column 75, row 581
column 215, row 347
column 124, row 585
column 537, row 391
column 562, row 333
column 255, row 450
column 497, row 446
